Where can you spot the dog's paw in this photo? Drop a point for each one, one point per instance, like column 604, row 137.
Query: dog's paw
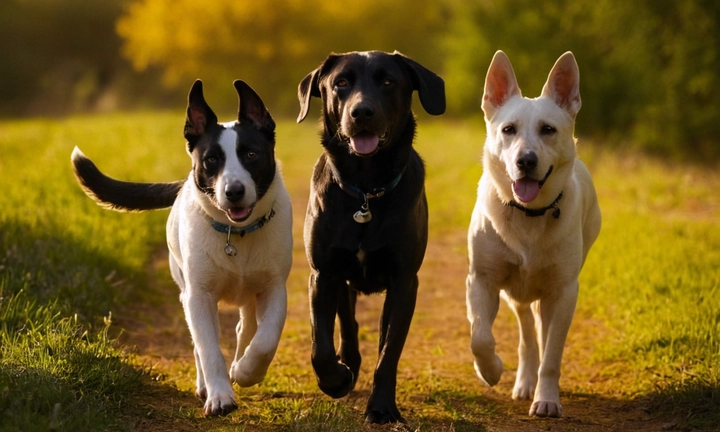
column 546, row 409
column 201, row 393
column 524, row 387
column 489, row 372
column 383, row 415
column 246, row 373
column 338, row 384
column 220, row 404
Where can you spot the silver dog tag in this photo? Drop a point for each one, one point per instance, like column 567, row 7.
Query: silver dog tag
column 362, row 216
column 230, row 250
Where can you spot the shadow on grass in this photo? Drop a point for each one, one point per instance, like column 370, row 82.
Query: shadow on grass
column 59, row 368
column 692, row 403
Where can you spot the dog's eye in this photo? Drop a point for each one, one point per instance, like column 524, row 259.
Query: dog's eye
column 342, row 83
column 251, row 155
column 210, row 159
column 387, row 82
column 509, row 130
column 547, row 130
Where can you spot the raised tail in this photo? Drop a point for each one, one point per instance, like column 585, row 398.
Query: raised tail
column 121, row 195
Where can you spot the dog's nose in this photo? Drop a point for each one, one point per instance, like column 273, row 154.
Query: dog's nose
column 362, row 110
column 234, row 192
column 528, row 161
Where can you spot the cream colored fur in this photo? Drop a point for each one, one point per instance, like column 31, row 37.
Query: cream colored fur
column 532, row 262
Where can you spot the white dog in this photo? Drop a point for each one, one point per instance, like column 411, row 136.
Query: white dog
column 229, row 235
column 534, row 221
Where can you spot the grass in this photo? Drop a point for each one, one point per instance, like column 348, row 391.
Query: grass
column 74, row 277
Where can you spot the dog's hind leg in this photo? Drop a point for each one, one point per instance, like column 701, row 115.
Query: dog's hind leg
column 334, row 378
column 528, row 356
column 253, row 357
column 245, row 330
column 555, row 313
column 397, row 314
column 349, row 345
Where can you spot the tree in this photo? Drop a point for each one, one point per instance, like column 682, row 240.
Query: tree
column 271, row 45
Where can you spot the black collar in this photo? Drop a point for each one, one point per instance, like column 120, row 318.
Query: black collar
column 358, row 193
column 540, row 211
column 364, row 215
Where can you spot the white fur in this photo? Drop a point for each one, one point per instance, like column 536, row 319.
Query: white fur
column 233, row 171
column 532, row 262
column 254, row 279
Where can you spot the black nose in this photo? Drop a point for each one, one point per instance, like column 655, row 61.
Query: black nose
column 528, row 161
column 234, row 192
column 361, row 110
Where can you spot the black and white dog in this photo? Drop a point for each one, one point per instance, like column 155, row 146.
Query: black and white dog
column 218, row 250
column 366, row 223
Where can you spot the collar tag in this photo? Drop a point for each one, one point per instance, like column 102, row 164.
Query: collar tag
column 364, row 215
column 230, row 250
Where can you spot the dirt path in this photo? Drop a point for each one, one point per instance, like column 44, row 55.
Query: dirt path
column 438, row 346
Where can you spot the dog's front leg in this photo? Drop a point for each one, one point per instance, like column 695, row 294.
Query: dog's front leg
column 252, row 360
column 334, row 378
column 556, row 313
column 201, row 314
column 483, row 303
column 397, row 314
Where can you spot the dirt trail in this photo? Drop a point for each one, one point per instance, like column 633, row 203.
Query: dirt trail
column 438, row 344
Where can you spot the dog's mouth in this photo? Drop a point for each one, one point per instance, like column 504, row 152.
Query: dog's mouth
column 239, row 214
column 526, row 189
column 366, row 143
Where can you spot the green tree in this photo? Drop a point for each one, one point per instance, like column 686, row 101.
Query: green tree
column 647, row 67
column 58, row 56
column 270, row 44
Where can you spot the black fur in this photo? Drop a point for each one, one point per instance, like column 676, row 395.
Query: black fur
column 379, row 86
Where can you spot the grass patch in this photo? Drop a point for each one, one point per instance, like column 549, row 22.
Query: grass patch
column 647, row 314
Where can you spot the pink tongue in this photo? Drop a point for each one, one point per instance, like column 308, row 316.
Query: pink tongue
column 239, row 213
column 364, row 143
column 526, row 189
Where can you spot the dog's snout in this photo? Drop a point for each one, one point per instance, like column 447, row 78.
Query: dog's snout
column 528, row 161
column 362, row 110
column 234, row 192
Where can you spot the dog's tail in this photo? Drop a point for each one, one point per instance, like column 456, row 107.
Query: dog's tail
column 121, row 195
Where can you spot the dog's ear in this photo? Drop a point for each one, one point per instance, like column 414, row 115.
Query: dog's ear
column 309, row 87
column 430, row 87
column 500, row 84
column 251, row 108
column 563, row 84
column 199, row 115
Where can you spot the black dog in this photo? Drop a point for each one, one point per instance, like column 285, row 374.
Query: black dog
column 366, row 222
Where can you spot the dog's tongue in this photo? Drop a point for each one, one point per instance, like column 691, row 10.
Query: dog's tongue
column 239, row 213
column 526, row 189
column 364, row 143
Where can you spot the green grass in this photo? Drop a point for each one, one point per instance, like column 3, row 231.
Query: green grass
column 651, row 285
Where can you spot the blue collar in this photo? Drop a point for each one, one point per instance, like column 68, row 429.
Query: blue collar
column 227, row 229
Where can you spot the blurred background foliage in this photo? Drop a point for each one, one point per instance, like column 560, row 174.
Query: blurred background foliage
column 649, row 68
